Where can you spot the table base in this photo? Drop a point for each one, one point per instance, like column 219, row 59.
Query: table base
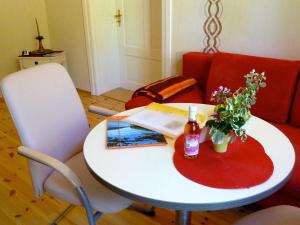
column 183, row 217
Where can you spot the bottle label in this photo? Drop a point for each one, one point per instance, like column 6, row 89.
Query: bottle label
column 191, row 144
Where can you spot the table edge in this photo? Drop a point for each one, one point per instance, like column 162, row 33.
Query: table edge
column 190, row 206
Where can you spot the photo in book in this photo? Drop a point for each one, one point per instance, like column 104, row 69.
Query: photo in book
column 121, row 134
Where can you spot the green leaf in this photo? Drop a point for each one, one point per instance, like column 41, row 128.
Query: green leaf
column 254, row 86
column 235, row 126
column 238, row 132
column 212, row 131
column 231, row 139
column 244, row 137
column 263, row 84
column 209, row 123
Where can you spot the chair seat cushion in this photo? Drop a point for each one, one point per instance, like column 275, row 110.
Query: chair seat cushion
column 190, row 95
column 102, row 199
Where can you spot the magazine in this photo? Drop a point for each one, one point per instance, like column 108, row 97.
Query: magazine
column 121, row 134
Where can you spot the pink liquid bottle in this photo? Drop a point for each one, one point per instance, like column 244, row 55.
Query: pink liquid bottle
column 191, row 135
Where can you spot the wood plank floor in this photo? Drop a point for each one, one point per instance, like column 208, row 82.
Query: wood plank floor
column 19, row 206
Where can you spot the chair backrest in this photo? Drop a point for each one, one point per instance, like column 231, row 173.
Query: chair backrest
column 47, row 113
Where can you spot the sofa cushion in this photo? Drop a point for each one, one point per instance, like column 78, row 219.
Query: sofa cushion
column 279, row 198
column 274, row 101
column 292, row 187
column 137, row 102
column 190, row 95
column 290, row 192
column 295, row 116
column 197, row 65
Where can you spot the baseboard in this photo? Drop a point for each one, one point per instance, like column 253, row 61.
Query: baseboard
column 85, row 91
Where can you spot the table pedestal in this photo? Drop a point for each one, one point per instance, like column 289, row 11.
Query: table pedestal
column 183, row 217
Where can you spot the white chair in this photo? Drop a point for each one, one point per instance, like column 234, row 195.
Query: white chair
column 52, row 125
column 277, row 215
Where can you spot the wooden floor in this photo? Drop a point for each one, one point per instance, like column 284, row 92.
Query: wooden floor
column 19, row 206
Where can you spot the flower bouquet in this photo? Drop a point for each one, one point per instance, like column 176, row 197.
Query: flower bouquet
column 233, row 110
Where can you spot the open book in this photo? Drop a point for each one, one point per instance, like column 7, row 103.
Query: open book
column 167, row 120
column 121, row 134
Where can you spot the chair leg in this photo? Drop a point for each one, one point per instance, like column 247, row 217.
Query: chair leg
column 97, row 215
column 146, row 211
column 63, row 213
column 92, row 218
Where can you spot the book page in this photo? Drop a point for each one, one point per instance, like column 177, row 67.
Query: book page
column 167, row 120
column 169, row 124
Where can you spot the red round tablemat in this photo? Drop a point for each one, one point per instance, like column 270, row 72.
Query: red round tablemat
column 243, row 165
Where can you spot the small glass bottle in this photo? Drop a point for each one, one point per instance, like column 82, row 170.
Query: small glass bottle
column 191, row 135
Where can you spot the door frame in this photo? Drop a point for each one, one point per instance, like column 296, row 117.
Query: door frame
column 166, row 34
column 166, row 39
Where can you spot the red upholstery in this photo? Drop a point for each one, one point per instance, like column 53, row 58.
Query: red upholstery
column 197, row 65
column 293, row 133
column 292, row 188
column 279, row 100
column 274, row 101
column 191, row 95
column 295, row 116
column 137, row 102
column 279, row 198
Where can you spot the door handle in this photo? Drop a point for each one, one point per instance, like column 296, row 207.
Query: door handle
column 118, row 17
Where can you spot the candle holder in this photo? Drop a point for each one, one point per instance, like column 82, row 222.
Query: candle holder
column 41, row 50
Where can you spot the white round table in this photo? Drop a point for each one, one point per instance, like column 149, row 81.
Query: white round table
column 147, row 174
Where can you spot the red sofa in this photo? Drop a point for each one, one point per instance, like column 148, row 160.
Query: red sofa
column 278, row 103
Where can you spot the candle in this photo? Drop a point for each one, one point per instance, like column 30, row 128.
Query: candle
column 37, row 27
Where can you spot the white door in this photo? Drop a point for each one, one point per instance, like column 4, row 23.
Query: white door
column 140, row 42
column 102, row 45
column 128, row 55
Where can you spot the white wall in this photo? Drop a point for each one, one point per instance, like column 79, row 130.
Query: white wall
column 268, row 28
column 66, row 27
column 187, row 29
column 262, row 27
column 18, row 31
